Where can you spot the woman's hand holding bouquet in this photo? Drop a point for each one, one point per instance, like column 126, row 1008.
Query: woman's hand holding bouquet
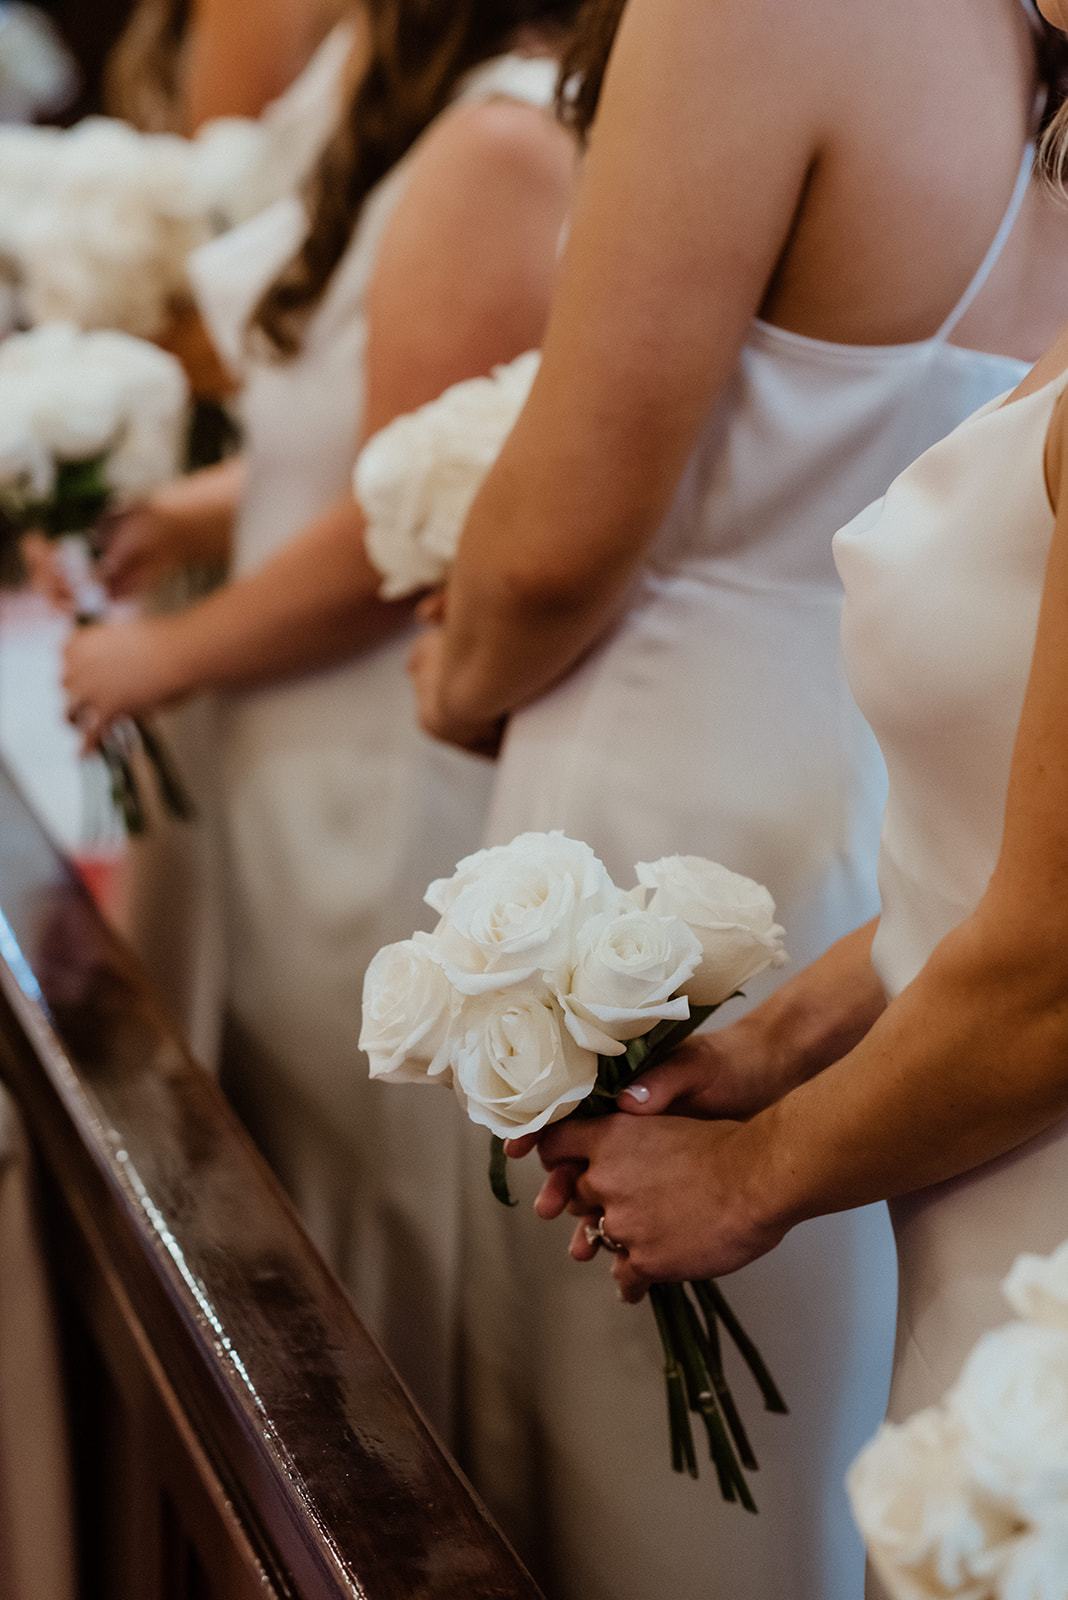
column 88, row 422
column 543, row 993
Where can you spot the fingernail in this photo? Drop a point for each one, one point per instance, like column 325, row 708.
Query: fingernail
column 638, row 1092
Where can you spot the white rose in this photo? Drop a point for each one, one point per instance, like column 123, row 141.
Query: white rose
column 927, row 1528
column 1035, row 1565
column 78, row 395
column 733, row 917
column 26, row 465
column 388, row 484
column 516, row 1067
column 78, row 418
column 231, row 170
column 417, row 479
column 407, row 1004
column 1037, row 1287
column 512, row 912
column 1011, row 1401
column 628, row 971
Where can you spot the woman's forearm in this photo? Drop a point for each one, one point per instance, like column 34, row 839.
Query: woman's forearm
column 540, row 576
column 967, row 1063
column 815, row 1018
column 312, row 605
column 205, row 504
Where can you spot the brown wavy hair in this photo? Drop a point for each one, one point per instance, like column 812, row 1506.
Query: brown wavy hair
column 582, row 66
column 1053, row 66
column 416, row 53
column 143, row 77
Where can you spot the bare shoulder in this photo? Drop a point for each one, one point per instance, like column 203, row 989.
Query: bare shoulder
column 465, row 268
column 498, row 141
column 489, row 184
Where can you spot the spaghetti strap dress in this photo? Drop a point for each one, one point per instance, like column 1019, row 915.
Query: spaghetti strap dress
column 944, row 581
column 715, row 720
column 337, row 812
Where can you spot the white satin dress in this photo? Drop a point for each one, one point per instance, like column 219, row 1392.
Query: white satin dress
column 715, row 720
column 337, row 813
column 943, row 584
column 170, row 909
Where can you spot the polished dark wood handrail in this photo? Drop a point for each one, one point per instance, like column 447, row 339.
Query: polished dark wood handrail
column 338, row 1484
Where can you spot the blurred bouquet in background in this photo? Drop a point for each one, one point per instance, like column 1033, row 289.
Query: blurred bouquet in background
column 88, row 420
column 38, row 74
column 968, row 1500
column 417, row 478
column 542, row 993
column 98, row 221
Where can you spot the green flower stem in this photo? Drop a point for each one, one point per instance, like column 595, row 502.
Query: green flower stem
column 711, row 1299
column 702, row 1399
column 683, row 1454
column 693, row 1365
column 125, row 795
column 172, row 790
column 696, row 1384
column 709, row 1345
column 498, row 1172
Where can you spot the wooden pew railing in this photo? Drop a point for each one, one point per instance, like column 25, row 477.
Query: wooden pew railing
column 236, row 1431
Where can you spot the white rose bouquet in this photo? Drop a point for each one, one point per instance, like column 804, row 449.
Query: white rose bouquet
column 97, row 222
column 417, row 478
column 86, row 420
column 542, row 993
column 969, row 1498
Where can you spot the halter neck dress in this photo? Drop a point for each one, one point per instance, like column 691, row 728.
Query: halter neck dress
column 715, row 720
column 944, row 580
column 337, row 813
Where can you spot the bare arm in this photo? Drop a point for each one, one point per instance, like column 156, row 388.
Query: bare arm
column 314, row 604
column 242, row 56
column 638, row 344
column 462, row 281
column 186, row 523
column 809, row 1022
column 968, row 1062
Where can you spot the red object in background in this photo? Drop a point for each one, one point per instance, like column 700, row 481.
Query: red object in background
column 101, row 872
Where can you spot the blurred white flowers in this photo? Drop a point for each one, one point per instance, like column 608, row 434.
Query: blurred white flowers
column 1011, row 1401
column 969, row 1498
column 919, row 1510
column 38, row 74
column 97, row 222
column 417, row 478
column 548, row 967
column 1037, row 1287
column 67, row 396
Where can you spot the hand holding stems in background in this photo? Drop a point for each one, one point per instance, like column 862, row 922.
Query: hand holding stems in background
column 313, row 604
column 118, row 669
column 667, row 1187
column 186, row 523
